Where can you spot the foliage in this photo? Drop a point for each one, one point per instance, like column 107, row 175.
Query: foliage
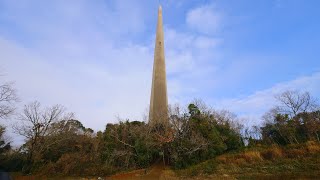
column 262, row 162
column 202, row 135
column 128, row 145
column 296, row 120
column 57, row 144
column 4, row 146
column 284, row 130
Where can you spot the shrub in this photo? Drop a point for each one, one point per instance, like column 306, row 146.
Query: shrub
column 12, row 162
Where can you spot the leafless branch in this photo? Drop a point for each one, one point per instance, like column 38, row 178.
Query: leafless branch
column 294, row 102
column 8, row 98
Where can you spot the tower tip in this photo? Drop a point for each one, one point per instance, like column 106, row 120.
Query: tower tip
column 160, row 8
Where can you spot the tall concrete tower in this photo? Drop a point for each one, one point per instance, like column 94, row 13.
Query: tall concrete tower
column 159, row 100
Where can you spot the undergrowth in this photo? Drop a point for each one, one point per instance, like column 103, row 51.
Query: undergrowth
column 299, row 160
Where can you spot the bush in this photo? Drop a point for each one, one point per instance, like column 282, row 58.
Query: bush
column 13, row 162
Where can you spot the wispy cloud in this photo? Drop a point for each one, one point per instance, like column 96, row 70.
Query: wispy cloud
column 252, row 107
column 79, row 58
column 96, row 58
column 205, row 19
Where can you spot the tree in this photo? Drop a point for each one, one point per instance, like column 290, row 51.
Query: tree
column 8, row 98
column 294, row 120
column 128, row 145
column 69, row 148
column 202, row 134
column 294, row 102
column 193, row 110
column 308, row 125
column 34, row 124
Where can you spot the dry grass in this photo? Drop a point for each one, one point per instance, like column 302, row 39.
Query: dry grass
column 303, row 150
column 251, row 156
column 273, row 153
column 241, row 158
column 222, row 159
column 240, row 161
column 295, row 153
column 299, row 160
column 313, row 147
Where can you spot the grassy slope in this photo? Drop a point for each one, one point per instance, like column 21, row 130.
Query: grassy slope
column 300, row 161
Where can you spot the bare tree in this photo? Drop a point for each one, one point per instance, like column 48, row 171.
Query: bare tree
column 35, row 122
column 294, row 102
column 8, row 98
column 178, row 117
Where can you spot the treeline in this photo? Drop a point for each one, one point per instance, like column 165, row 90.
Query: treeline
column 193, row 136
column 295, row 120
column 57, row 144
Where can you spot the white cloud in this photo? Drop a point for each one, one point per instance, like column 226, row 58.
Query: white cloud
column 89, row 68
column 85, row 58
column 96, row 94
column 188, row 53
column 202, row 42
column 252, row 107
column 190, row 59
column 205, row 19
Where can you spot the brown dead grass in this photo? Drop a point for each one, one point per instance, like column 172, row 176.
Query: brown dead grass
column 251, row 156
column 240, row 161
column 222, row 159
column 272, row 153
column 313, row 147
column 265, row 161
column 303, row 150
column 295, row 153
column 241, row 158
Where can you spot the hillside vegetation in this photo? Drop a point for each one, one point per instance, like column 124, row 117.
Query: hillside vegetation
column 199, row 142
column 291, row 162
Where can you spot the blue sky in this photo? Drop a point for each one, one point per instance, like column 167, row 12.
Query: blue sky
column 95, row 57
